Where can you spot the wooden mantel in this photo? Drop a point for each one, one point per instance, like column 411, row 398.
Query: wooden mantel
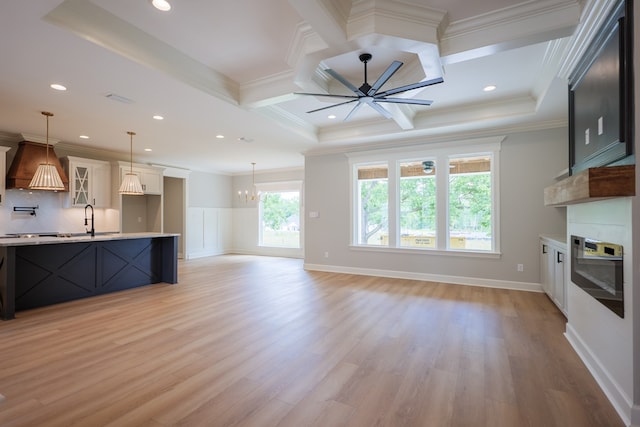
column 592, row 184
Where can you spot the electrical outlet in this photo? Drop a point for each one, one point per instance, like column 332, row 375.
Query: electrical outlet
column 521, row 267
column 326, row 254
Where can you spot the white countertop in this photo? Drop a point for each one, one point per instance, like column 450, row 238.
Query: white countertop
column 557, row 238
column 75, row 238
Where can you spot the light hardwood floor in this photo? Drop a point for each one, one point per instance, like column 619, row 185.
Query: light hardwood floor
column 251, row 341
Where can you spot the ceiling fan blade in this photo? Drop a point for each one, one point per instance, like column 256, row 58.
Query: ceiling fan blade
column 390, row 71
column 326, row 94
column 344, row 81
column 405, row 101
column 409, row 87
column 379, row 108
column 353, row 110
column 331, row 106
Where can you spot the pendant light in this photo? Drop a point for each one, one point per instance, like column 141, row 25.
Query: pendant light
column 131, row 182
column 46, row 176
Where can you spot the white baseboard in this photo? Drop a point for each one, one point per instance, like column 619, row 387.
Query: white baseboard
column 618, row 398
column 273, row 252
column 456, row 280
column 202, row 254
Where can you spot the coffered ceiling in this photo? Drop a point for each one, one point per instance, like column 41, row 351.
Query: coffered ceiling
column 233, row 69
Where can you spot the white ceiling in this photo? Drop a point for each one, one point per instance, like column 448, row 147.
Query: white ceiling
column 232, row 68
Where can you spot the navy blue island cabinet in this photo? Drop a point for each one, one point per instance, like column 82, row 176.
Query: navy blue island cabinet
column 49, row 270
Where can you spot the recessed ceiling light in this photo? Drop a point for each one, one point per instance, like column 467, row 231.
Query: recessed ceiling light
column 245, row 139
column 219, row 136
column 58, row 86
column 162, row 5
column 489, row 88
column 83, row 137
column 157, row 117
column 331, row 116
column 148, row 149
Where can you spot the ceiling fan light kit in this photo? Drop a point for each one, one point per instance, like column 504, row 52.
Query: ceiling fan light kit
column 369, row 95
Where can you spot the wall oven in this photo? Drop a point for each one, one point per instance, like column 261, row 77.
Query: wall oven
column 596, row 267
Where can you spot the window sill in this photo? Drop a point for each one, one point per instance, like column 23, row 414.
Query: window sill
column 437, row 252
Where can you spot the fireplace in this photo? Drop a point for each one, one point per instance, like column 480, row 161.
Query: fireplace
column 596, row 267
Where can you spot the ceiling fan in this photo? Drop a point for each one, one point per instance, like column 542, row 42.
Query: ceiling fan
column 369, row 95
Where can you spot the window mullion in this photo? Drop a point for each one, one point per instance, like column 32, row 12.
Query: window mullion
column 442, row 201
column 394, row 204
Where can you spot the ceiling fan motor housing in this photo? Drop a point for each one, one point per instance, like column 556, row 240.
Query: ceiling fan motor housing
column 365, row 57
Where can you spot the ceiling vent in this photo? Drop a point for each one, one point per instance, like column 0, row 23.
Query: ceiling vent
column 119, row 98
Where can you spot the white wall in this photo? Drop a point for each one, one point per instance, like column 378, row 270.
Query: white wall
column 50, row 215
column 528, row 163
column 207, row 190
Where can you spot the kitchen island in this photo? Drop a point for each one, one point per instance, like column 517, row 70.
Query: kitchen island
column 44, row 270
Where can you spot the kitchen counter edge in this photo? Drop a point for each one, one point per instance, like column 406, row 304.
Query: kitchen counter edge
column 49, row 240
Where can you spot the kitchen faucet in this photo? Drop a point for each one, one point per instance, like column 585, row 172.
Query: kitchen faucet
column 93, row 230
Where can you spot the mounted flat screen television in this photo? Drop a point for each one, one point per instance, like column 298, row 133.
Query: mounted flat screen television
column 600, row 91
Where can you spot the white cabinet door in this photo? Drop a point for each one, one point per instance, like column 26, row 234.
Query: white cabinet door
column 559, row 278
column 79, row 184
column 553, row 276
column 546, row 267
column 101, row 186
column 150, row 179
column 89, row 182
column 151, row 182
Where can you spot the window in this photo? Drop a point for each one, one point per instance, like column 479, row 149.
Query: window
column 418, row 204
column 373, row 204
column 280, row 218
column 443, row 199
column 470, row 203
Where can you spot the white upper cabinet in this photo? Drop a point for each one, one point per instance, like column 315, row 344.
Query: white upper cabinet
column 89, row 182
column 151, row 177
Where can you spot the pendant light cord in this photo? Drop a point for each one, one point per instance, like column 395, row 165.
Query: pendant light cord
column 131, row 152
column 47, row 115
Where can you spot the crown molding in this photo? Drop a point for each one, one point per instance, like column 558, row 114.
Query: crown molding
column 9, row 138
column 305, row 41
column 290, row 121
column 37, row 138
column 395, row 19
column 525, row 23
column 450, row 137
column 594, row 15
column 433, row 121
column 269, row 90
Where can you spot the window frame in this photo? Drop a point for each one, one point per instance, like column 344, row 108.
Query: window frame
column 441, row 153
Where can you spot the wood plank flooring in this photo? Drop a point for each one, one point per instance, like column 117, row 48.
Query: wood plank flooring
column 253, row 341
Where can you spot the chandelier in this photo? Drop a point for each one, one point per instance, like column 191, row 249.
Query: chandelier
column 254, row 195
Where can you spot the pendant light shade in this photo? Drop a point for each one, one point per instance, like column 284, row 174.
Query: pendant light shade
column 46, row 176
column 131, row 182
